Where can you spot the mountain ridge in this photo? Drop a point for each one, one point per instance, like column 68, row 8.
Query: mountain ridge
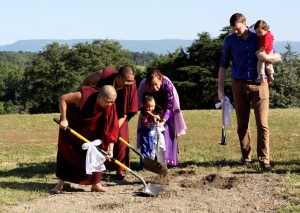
column 161, row 46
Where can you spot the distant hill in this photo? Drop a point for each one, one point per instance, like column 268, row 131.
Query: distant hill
column 157, row 46
column 163, row 46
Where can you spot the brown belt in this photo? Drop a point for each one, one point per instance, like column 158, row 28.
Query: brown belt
column 246, row 81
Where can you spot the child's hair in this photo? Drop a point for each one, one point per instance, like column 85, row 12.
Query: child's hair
column 262, row 25
column 147, row 97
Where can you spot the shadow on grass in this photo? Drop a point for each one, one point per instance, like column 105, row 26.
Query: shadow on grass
column 41, row 170
column 26, row 186
column 34, row 186
column 278, row 167
column 29, row 170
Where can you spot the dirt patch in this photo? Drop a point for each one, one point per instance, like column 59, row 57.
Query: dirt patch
column 106, row 206
column 213, row 180
column 186, row 190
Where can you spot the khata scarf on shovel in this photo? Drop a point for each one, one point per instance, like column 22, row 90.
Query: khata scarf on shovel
column 228, row 109
column 94, row 161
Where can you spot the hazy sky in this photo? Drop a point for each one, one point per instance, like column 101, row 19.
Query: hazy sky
column 139, row 19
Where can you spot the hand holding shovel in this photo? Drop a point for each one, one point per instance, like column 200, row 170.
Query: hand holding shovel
column 149, row 164
column 149, row 188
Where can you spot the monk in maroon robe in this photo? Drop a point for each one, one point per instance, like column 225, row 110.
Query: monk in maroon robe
column 92, row 113
column 126, row 103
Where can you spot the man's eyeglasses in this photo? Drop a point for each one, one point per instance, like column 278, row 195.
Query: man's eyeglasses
column 128, row 82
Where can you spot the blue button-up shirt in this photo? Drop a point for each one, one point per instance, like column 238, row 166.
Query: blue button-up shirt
column 242, row 54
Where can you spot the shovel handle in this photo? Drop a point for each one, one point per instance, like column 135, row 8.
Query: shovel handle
column 147, row 190
column 125, row 142
column 133, row 149
column 87, row 141
column 73, row 132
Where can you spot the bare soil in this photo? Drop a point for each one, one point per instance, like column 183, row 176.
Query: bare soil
column 186, row 190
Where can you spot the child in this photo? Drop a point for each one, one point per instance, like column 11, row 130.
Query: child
column 149, row 118
column 265, row 48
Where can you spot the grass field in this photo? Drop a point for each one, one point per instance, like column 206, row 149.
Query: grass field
column 28, row 145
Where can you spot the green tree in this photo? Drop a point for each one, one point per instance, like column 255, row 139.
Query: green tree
column 170, row 62
column 144, row 58
column 195, row 86
column 10, row 81
column 85, row 58
column 285, row 92
column 20, row 59
column 194, row 71
column 12, row 66
column 205, row 52
column 225, row 32
column 59, row 69
column 47, row 79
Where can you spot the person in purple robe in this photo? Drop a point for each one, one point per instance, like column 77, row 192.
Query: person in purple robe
column 167, row 99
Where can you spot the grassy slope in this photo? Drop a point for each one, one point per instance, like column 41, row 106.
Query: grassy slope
column 28, row 150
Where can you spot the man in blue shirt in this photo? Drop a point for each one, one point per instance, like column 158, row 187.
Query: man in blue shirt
column 239, row 49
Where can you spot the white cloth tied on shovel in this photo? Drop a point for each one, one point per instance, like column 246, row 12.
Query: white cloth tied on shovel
column 94, row 161
column 228, row 109
column 159, row 144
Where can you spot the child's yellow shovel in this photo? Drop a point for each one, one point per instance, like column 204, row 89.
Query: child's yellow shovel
column 149, row 164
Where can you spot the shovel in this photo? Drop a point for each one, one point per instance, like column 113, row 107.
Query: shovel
column 223, row 137
column 149, row 189
column 149, row 164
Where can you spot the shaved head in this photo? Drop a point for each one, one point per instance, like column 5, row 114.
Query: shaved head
column 123, row 71
column 108, row 91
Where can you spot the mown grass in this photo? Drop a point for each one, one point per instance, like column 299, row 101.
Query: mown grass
column 28, row 145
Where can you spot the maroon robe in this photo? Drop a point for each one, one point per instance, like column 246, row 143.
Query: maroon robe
column 102, row 125
column 126, row 104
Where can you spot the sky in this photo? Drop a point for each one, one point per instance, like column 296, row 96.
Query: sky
column 139, row 19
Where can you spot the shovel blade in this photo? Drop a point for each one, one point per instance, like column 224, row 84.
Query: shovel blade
column 223, row 139
column 155, row 166
column 152, row 190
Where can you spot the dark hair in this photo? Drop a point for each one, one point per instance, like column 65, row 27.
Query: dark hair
column 262, row 25
column 153, row 73
column 147, row 97
column 237, row 18
column 125, row 70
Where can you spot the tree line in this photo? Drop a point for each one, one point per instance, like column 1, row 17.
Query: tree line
column 33, row 82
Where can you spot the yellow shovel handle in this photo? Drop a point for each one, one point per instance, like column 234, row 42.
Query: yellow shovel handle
column 125, row 142
column 87, row 141
column 79, row 136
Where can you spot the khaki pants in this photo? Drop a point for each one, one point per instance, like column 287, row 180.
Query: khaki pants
column 262, row 65
column 246, row 94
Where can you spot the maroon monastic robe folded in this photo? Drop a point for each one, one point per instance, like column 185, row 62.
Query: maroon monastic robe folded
column 102, row 124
